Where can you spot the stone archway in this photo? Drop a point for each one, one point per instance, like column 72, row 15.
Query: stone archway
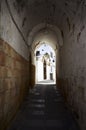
column 49, row 34
column 45, row 64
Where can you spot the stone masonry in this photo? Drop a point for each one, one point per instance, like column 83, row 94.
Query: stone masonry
column 14, row 80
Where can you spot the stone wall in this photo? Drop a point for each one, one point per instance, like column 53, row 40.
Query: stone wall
column 72, row 80
column 14, row 81
column 32, row 76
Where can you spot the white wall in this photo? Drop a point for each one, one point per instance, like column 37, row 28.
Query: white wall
column 39, row 71
column 8, row 30
column 48, row 72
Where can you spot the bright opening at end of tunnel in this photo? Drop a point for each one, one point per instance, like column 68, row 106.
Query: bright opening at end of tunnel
column 45, row 64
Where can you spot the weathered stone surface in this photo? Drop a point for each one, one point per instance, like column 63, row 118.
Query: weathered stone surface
column 14, row 81
column 2, row 58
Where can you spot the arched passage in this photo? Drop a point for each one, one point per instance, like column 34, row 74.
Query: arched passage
column 45, row 33
column 61, row 17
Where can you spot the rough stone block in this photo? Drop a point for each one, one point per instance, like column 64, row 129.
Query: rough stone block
column 2, row 99
column 3, row 72
column 7, row 83
column 2, row 58
column 6, row 109
column 18, row 65
column 8, row 61
column 2, row 89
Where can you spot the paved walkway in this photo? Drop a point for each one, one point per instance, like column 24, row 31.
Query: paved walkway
column 46, row 82
column 44, row 109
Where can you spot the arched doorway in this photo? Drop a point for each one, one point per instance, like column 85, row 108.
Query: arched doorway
column 44, row 69
column 45, row 64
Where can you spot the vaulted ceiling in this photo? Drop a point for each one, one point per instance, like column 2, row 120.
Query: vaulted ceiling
column 55, row 11
column 36, row 15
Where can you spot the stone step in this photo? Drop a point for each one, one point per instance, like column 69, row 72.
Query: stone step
column 44, row 109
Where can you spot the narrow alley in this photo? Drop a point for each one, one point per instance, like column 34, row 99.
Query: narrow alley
column 43, row 64
column 44, row 109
